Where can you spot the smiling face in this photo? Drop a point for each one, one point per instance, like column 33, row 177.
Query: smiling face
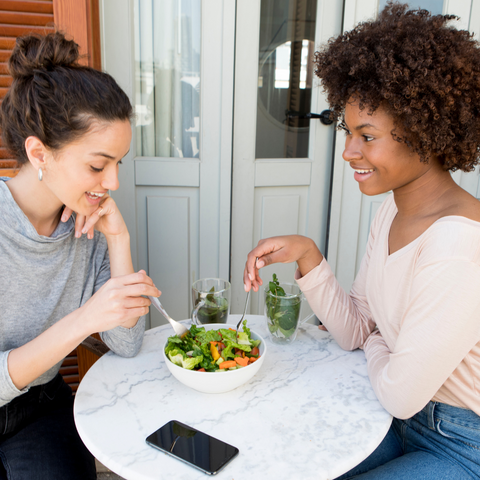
column 82, row 172
column 381, row 163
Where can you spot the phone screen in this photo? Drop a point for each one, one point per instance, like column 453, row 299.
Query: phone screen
column 192, row 446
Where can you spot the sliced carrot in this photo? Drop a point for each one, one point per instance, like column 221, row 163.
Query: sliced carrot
column 252, row 359
column 228, row 364
column 243, row 362
column 232, row 329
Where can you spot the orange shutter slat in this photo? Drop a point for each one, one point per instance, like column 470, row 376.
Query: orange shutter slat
column 27, row 6
column 7, row 43
column 5, row 80
column 15, row 18
column 18, row 30
column 8, row 163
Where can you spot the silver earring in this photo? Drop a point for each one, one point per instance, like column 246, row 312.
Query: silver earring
column 40, row 175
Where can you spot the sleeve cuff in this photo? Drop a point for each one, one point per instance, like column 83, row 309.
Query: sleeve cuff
column 315, row 277
column 125, row 342
column 8, row 391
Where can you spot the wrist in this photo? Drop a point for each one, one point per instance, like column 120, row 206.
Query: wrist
column 120, row 255
column 118, row 240
column 310, row 259
column 78, row 320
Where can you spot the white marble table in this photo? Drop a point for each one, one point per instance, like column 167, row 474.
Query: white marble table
column 309, row 413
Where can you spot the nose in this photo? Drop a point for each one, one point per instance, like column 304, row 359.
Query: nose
column 351, row 151
column 110, row 179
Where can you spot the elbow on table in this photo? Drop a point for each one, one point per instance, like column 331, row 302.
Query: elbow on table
column 125, row 348
column 349, row 344
column 401, row 409
column 128, row 350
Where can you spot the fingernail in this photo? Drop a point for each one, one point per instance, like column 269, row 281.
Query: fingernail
column 64, row 218
column 245, row 287
column 250, row 276
column 260, row 263
column 84, row 230
column 78, row 234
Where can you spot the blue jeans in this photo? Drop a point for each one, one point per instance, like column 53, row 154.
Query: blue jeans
column 439, row 442
column 38, row 438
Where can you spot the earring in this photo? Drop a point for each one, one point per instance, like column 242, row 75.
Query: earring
column 40, row 175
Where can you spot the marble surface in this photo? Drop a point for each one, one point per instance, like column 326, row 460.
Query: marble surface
column 310, row 412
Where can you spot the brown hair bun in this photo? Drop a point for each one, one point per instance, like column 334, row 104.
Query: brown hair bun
column 35, row 51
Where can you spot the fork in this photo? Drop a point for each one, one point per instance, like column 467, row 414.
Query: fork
column 180, row 329
column 243, row 316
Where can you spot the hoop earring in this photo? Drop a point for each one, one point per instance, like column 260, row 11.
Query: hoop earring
column 40, row 175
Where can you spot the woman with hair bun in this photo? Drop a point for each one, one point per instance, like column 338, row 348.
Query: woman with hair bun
column 406, row 88
column 65, row 250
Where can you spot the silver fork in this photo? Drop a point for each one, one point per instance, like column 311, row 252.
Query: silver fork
column 180, row 329
column 243, row 316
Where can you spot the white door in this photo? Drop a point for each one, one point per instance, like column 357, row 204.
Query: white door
column 174, row 58
column 281, row 164
column 352, row 212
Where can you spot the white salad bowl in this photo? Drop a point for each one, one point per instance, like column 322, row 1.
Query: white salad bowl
column 217, row 382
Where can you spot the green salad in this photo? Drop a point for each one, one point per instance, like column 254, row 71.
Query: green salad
column 213, row 350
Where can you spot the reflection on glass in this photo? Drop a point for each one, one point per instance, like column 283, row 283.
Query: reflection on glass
column 433, row 6
column 287, row 34
column 167, row 75
column 282, row 67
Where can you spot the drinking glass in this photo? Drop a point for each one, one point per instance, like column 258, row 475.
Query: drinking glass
column 211, row 301
column 283, row 313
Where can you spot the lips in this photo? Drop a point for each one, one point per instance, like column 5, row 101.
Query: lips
column 94, row 197
column 363, row 170
column 362, row 174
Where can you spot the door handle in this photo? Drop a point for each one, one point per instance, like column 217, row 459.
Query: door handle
column 325, row 117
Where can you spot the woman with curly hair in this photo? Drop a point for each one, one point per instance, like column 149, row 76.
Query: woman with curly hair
column 406, row 88
column 65, row 250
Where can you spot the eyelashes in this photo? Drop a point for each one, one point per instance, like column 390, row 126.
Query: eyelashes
column 98, row 170
column 343, row 126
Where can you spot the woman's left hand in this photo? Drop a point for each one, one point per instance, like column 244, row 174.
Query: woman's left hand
column 106, row 219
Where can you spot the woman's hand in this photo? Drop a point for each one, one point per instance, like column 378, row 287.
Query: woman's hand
column 284, row 249
column 118, row 301
column 106, row 219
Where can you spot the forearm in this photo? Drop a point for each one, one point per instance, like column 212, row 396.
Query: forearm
column 28, row 362
column 120, row 255
column 347, row 317
column 121, row 261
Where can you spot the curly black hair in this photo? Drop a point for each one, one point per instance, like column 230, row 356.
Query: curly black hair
column 422, row 70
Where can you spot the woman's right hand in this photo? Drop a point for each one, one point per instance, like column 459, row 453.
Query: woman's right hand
column 284, row 249
column 118, row 301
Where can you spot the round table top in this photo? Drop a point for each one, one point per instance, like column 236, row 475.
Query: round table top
column 310, row 411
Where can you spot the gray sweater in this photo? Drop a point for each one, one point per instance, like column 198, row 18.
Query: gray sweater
column 42, row 280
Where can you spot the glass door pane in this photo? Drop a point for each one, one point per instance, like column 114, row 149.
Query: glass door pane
column 167, row 73
column 287, row 34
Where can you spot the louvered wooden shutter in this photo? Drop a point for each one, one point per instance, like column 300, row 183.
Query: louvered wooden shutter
column 18, row 17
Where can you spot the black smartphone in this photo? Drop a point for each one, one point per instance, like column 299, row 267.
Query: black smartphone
column 192, row 446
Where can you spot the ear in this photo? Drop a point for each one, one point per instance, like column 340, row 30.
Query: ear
column 37, row 153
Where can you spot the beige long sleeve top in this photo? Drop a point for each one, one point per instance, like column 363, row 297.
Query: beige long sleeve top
column 425, row 301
